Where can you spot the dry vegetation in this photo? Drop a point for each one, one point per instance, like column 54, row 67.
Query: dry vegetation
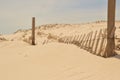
column 55, row 32
column 3, row 39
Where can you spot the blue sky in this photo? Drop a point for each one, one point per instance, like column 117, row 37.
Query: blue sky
column 17, row 14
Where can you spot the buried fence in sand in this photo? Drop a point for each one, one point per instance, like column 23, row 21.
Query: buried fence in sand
column 95, row 41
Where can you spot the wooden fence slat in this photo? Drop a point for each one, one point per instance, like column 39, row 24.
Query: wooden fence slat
column 82, row 41
column 76, row 41
column 87, row 39
column 102, row 42
column 98, row 39
column 93, row 42
column 80, row 38
column 105, row 44
column 73, row 39
column 89, row 46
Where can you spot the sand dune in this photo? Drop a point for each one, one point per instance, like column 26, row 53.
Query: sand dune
column 51, row 60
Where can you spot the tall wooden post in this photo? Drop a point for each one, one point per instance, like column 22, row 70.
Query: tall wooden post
column 110, row 48
column 33, row 31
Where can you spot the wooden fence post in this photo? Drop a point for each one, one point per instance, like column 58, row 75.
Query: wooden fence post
column 33, row 31
column 110, row 48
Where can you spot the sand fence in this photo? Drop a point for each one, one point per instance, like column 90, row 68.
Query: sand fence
column 95, row 41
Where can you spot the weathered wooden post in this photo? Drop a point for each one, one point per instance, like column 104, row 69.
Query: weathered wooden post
column 110, row 48
column 33, row 31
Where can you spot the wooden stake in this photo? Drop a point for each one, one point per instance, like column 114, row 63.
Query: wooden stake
column 110, row 48
column 33, row 31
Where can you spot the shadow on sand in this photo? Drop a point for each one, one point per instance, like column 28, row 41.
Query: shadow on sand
column 117, row 56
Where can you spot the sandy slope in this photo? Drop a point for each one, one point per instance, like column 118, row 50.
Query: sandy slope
column 54, row 61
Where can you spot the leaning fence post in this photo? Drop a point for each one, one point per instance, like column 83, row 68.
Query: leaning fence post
column 110, row 49
column 33, row 31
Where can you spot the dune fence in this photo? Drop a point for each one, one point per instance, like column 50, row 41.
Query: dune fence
column 95, row 41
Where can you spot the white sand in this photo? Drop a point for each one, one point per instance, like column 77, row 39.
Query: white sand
column 54, row 61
